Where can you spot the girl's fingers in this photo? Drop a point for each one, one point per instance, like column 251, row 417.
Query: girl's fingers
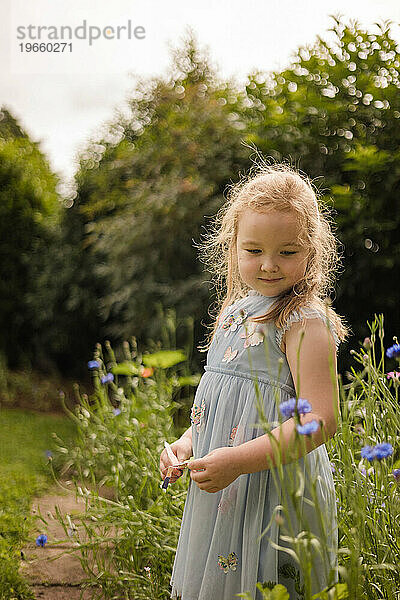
column 165, row 463
column 175, row 473
column 211, row 490
column 199, row 477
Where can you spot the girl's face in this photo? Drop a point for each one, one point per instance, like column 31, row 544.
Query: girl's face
column 270, row 257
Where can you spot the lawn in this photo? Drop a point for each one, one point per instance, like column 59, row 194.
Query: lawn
column 25, row 438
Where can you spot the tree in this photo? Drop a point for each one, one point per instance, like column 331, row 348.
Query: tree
column 145, row 189
column 28, row 210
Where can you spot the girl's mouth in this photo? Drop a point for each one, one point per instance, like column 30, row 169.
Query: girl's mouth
column 270, row 280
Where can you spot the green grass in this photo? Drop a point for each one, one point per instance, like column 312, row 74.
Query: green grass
column 24, row 472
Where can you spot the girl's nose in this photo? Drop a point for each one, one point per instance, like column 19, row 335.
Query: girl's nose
column 269, row 266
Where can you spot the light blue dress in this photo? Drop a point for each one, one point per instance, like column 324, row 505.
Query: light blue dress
column 220, row 550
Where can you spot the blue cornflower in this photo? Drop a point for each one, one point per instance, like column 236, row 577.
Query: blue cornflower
column 41, row 540
column 383, row 450
column 49, row 454
column 379, row 451
column 287, row 408
column 93, row 364
column 116, row 412
column 308, row 428
column 368, row 453
column 107, row 378
column 393, row 351
column 396, row 474
column 333, row 468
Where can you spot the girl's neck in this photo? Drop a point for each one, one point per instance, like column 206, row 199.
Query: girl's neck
column 255, row 293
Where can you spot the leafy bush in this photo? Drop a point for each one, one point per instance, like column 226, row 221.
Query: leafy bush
column 30, row 389
column 29, row 212
column 129, row 541
column 368, row 491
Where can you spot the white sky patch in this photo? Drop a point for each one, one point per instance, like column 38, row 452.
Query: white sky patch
column 63, row 98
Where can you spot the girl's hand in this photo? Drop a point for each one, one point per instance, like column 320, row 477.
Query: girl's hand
column 216, row 470
column 182, row 449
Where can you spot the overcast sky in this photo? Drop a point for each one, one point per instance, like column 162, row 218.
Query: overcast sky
column 62, row 98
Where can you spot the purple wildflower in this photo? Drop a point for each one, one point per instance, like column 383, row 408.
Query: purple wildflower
column 393, row 351
column 288, row 408
column 308, row 428
column 359, row 429
column 396, row 474
column 393, row 375
column 41, row 540
column 93, row 364
column 116, row 412
column 107, row 378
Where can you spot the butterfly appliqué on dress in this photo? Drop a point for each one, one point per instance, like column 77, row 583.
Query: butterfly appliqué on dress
column 229, row 354
column 231, row 323
column 228, row 563
column 232, row 436
column 197, row 414
column 237, row 436
column 252, row 335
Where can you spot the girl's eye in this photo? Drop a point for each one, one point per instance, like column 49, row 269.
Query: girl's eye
column 284, row 252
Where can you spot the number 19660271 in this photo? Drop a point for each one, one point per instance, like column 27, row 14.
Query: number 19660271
column 46, row 47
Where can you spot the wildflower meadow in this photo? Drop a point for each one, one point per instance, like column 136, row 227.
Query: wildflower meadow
column 126, row 544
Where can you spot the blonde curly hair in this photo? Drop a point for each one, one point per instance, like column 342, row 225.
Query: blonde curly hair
column 274, row 187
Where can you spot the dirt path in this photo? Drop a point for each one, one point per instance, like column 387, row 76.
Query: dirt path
column 51, row 574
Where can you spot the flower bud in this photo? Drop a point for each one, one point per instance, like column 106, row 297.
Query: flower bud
column 367, row 343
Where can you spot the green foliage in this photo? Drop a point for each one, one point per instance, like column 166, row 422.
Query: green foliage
column 48, row 293
column 164, row 359
column 28, row 211
column 65, row 300
column 15, row 492
column 23, row 474
column 368, row 493
column 338, row 592
column 28, row 388
column 9, row 126
column 269, row 591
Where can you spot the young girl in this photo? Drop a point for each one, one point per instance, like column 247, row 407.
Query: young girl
column 273, row 248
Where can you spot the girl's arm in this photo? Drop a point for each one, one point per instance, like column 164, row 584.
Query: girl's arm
column 315, row 379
